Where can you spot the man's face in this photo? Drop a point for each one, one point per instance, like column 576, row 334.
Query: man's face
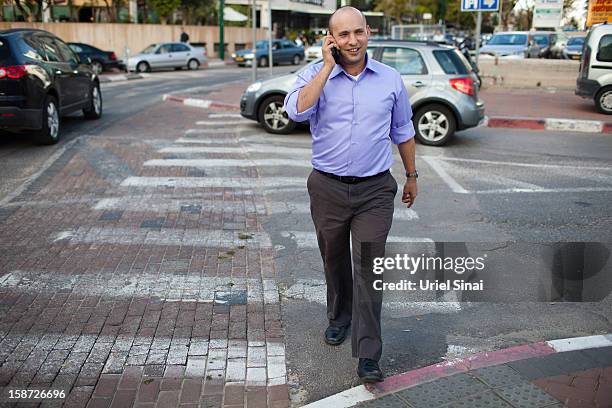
column 351, row 34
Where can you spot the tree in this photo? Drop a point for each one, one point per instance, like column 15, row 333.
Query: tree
column 394, row 9
column 165, row 8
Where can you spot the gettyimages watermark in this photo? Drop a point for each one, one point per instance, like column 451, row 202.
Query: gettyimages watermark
column 502, row 272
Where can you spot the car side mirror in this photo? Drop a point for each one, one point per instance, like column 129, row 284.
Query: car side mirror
column 88, row 60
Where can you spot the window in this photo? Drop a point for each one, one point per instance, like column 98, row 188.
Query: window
column 50, row 49
column 164, row 49
column 65, row 52
column 406, row 60
column 76, row 48
column 604, row 51
column 31, row 48
column 180, row 48
column 288, row 44
column 508, row 39
column 452, row 62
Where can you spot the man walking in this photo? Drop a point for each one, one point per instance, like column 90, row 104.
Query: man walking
column 357, row 107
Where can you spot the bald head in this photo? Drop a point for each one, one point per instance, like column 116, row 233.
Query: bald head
column 341, row 12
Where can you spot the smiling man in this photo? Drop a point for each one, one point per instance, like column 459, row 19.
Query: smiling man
column 357, row 108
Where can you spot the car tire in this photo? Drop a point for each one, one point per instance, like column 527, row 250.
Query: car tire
column 272, row 116
column 603, row 100
column 143, row 66
column 263, row 62
column 296, row 60
column 97, row 67
column 193, row 64
column 438, row 116
column 49, row 133
column 94, row 108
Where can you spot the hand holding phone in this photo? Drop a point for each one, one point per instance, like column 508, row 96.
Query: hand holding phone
column 330, row 50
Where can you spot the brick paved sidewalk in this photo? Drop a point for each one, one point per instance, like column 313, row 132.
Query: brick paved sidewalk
column 574, row 379
column 122, row 291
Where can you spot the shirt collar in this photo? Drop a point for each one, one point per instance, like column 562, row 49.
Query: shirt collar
column 338, row 68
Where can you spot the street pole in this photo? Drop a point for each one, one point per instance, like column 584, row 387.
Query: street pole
column 478, row 24
column 254, row 63
column 271, row 64
column 221, row 39
column 500, row 24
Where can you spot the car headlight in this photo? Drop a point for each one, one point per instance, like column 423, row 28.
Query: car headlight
column 254, row 87
column 250, row 55
column 233, row 55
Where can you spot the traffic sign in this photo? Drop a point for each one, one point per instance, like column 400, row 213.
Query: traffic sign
column 479, row 5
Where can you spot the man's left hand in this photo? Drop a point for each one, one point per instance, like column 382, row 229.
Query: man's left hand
column 410, row 191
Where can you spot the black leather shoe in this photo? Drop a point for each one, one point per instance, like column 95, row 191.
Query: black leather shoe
column 369, row 371
column 334, row 335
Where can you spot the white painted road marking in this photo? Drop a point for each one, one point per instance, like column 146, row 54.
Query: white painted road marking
column 255, row 148
column 451, row 182
column 216, row 163
column 200, row 182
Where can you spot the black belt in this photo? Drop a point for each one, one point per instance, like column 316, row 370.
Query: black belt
column 352, row 179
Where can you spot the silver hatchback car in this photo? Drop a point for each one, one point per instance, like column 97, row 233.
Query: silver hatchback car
column 168, row 55
column 441, row 85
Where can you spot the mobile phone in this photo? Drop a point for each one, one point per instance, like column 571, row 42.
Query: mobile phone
column 335, row 53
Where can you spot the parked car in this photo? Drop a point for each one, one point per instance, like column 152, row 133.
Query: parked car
column 573, row 48
column 41, row 78
column 314, row 51
column 100, row 60
column 515, row 44
column 442, row 88
column 168, row 55
column 595, row 76
column 283, row 51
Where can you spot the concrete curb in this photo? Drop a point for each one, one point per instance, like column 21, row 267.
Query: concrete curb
column 119, row 77
column 200, row 103
column 554, row 124
column 434, row 372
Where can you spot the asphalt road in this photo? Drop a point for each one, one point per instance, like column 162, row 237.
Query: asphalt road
column 488, row 185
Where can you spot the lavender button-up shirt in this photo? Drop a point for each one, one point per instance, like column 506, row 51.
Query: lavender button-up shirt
column 354, row 121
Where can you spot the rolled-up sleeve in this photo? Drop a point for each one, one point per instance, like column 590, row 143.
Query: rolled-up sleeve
column 291, row 99
column 402, row 128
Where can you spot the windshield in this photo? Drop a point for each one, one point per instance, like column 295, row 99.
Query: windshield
column 541, row 39
column 262, row 44
column 149, row 49
column 576, row 41
column 508, row 39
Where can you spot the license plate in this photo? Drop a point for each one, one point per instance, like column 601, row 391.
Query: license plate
column 239, row 59
column 576, row 57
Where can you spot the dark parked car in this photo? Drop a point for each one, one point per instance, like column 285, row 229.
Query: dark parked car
column 41, row 78
column 100, row 60
column 283, row 51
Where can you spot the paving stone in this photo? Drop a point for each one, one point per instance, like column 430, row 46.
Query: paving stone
column 388, row 401
column 487, row 399
column 498, row 376
column 525, row 396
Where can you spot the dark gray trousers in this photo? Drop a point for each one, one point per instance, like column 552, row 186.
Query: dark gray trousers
column 361, row 212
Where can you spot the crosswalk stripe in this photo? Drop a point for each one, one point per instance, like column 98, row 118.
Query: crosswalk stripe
column 164, row 205
column 226, row 129
column 216, row 163
column 223, row 122
column 166, row 236
column 308, row 239
column 256, row 148
column 200, row 182
column 225, row 115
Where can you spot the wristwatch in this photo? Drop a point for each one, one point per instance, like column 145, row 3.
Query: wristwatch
column 414, row 174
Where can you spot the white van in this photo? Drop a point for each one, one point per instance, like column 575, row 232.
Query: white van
column 595, row 76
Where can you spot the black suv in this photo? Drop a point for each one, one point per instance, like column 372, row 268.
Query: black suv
column 41, row 78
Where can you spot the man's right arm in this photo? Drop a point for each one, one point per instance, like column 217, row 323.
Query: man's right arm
column 310, row 94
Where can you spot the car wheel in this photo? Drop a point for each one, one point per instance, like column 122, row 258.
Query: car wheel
column 143, row 66
column 273, row 117
column 263, row 62
column 97, row 67
column 434, row 124
column 296, row 60
column 94, row 110
column 193, row 64
column 49, row 134
column 603, row 100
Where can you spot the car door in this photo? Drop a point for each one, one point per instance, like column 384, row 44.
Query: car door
column 180, row 54
column 81, row 75
column 289, row 49
column 601, row 66
column 277, row 52
column 162, row 57
column 62, row 72
column 411, row 66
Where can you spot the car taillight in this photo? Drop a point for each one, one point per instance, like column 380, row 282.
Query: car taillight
column 113, row 56
column 205, row 52
column 13, row 72
column 586, row 56
column 463, row 85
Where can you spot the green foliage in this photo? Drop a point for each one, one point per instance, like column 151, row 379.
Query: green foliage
column 165, row 7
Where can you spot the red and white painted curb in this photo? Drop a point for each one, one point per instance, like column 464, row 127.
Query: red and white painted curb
column 200, row 103
column 555, row 124
column 120, row 77
column 434, row 372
